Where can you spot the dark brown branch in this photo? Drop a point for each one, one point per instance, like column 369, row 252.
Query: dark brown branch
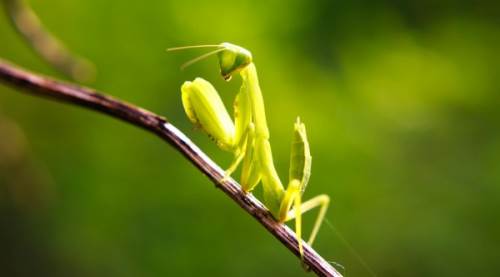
column 46, row 45
column 88, row 98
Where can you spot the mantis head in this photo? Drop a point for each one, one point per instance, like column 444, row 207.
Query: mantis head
column 232, row 58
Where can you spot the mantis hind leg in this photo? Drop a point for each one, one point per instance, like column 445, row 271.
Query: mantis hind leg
column 293, row 197
column 321, row 201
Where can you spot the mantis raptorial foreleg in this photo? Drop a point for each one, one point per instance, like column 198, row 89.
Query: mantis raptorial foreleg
column 248, row 138
column 205, row 109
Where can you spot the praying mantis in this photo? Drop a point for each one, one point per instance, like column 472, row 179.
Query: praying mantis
column 248, row 137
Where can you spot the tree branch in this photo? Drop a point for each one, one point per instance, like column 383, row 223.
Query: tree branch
column 88, row 98
column 46, row 45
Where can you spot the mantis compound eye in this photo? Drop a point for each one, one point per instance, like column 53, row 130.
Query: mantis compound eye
column 232, row 59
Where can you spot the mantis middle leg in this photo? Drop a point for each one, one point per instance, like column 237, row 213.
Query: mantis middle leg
column 293, row 198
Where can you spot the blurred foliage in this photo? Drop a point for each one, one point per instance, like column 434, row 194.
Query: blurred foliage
column 400, row 99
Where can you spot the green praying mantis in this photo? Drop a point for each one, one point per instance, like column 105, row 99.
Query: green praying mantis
column 248, row 137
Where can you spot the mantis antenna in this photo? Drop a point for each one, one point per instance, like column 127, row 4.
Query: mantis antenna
column 197, row 59
column 192, row 47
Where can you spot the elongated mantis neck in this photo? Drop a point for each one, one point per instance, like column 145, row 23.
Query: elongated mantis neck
column 249, row 74
column 273, row 188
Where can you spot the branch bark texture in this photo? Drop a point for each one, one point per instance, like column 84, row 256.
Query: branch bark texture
column 38, row 85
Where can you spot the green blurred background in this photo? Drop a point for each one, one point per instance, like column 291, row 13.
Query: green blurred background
column 401, row 102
